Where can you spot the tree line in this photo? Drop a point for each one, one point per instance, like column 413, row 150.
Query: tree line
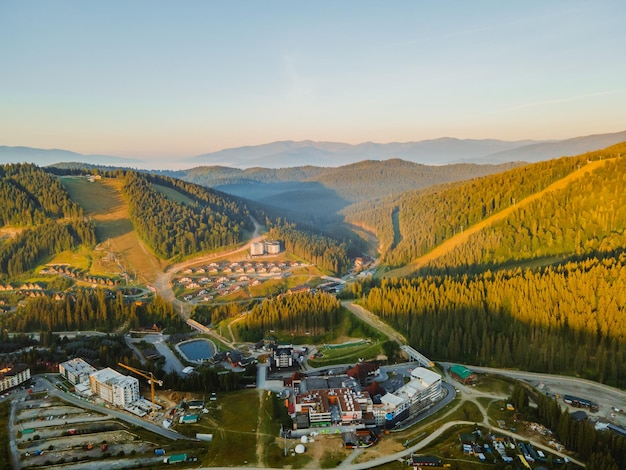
column 569, row 318
column 89, row 309
column 297, row 313
column 49, row 221
column 172, row 228
column 586, row 216
column 323, row 251
column 29, row 196
column 602, row 450
column 26, row 250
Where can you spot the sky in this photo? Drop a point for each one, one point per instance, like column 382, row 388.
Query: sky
column 181, row 78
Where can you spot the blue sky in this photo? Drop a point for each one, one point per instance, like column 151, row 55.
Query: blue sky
column 154, row 78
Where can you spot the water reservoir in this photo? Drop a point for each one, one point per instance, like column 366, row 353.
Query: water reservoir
column 197, row 350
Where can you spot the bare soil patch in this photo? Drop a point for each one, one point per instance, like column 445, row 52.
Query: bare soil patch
column 9, row 232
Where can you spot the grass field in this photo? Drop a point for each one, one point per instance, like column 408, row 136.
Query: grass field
column 350, row 354
column 173, row 194
column 235, row 439
column 119, row 247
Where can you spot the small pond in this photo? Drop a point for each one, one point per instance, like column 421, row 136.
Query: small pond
column 197, row 350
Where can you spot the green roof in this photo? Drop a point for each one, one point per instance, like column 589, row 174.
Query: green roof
column 461, row 371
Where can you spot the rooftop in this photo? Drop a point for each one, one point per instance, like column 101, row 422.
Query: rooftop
column 78, row 366
column 424, row 377
column 111, row 377
column 11, row 370
column 461, row 371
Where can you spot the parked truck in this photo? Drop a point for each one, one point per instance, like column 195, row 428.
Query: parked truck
column 176, row 458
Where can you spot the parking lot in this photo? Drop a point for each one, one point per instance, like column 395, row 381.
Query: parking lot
column 49, row 431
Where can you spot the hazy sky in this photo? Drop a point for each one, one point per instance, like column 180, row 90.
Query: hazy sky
column 181, row 78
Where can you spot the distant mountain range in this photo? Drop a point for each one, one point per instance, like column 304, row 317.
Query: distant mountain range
column 334, row 154
column 287, row 154
column 428, row 152
column 46, row 157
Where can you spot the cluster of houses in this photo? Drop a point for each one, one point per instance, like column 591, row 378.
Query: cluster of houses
column 242, row 267
column 24, row 287
column 470, row 444
column 206, row 288
column 75, row 273
column 28, row 289
column 234, row 358
column 219, row 279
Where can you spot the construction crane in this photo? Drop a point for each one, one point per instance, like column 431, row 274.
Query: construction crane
column 150, row 378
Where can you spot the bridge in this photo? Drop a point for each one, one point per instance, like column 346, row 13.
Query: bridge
column 414, row 355
column 198, row 326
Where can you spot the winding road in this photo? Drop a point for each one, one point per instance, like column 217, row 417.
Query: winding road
column 163, row 282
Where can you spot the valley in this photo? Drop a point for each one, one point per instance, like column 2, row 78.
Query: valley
column 503, row 281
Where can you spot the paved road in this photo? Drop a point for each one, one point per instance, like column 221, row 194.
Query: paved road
column 138, row 355
column 605, row 396
column 432, row 437
column 172, row 363
column 15, row 453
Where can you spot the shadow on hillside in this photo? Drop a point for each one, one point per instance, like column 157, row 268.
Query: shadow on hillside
column 534, row 263
column 313, row 201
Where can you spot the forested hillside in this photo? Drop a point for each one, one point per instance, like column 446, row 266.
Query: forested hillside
column 30, row 196
column 413, row 223
column 568, row 318
column 325, row 252
column 89, row 309
column 587, row 216
column 172, row 228
column 45, row 220
column 541, row 289
column 366, row 180
column 300, row 314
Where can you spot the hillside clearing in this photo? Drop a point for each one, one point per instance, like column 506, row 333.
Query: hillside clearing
column 172, row 194
column 9, row 232
column 103, row 202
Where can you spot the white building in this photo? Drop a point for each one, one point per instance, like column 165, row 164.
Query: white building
column 272, row 247
column 420, row 393
column 257, row 249
column 76, row 370
column 13, row 375
column 113, row 387
column 283, row 356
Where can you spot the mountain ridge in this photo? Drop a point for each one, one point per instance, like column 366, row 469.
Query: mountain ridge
column 289, row 153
